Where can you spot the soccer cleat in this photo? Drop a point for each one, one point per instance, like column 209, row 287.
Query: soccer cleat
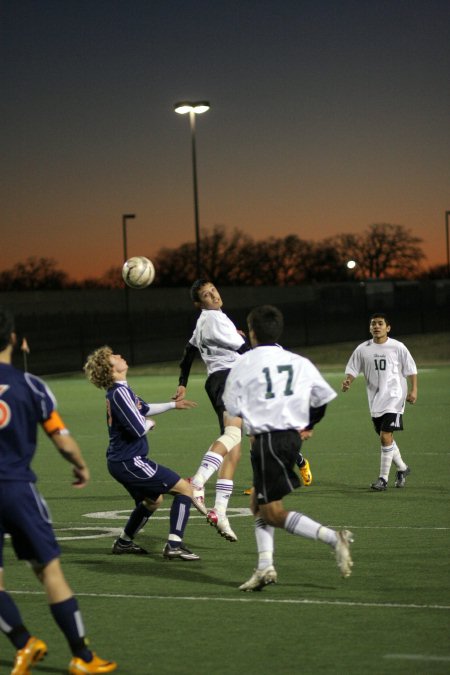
column 247, row 492
column 120, row 547
column 34, row 651
column 180, row 551
column 342, row 551
column 79, row 667
column 379, row 485
column 199, row 493
column 222, row 525
column 259, row 579
column 305, row 473
column 198, row 498
column 401, row 477
column 199, row 504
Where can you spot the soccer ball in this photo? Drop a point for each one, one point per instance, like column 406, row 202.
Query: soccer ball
column 138, row 272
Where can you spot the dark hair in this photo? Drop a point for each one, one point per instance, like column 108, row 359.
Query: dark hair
column 381, row 315
column 6, row 327
column 195, row 289
column 267, row 323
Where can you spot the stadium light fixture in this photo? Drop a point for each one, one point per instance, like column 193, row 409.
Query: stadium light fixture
column 194, row 108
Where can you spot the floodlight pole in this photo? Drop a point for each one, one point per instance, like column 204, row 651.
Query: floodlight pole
column 194, row 176
column 194, row 108
column 125, row 218
column 447, row 215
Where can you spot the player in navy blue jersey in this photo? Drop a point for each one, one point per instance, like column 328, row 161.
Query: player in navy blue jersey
column 128, row 420
column 25, row 403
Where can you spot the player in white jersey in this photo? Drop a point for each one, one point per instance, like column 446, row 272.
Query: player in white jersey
column 219, row 342
column 220, row 345
column 387, row 366
column 280, row 397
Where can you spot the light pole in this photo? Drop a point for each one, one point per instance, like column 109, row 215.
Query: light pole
column 447, row 215
column 194, row 108
column 125, row 218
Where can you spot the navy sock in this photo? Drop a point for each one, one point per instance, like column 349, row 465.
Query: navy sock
column 11, row 621
column 179, row 514
column 69, row 619
column 137, row 520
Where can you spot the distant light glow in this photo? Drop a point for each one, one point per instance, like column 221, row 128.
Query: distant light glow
column 351, row 264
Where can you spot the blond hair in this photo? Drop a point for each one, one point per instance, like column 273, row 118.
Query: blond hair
column 98, row 368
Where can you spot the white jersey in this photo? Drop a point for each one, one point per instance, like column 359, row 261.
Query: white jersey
column 385, row 367
column 272, row 389
column 217, row 339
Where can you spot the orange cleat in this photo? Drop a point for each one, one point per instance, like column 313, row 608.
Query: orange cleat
column 34, row 651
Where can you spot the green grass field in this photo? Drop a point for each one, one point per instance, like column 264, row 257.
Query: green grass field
column 155, row 616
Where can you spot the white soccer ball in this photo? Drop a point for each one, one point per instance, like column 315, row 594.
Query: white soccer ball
column 138, row 272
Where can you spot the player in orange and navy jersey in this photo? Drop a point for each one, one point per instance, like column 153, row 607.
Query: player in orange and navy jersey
column 25, row 403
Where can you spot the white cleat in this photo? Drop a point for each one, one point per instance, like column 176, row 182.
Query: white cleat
column 260, row 578
column 198, row 498
column 222, row 525
column 199, row 505
column 342, row 552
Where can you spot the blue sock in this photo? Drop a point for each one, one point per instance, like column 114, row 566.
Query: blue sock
column 69, row 619
column 137, row 520
column 11, row 621
column 179, row 515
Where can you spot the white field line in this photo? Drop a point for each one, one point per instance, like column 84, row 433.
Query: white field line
column 417, row 657
column 247, row 599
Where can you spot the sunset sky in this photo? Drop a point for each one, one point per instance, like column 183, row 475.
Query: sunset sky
column 326, row 116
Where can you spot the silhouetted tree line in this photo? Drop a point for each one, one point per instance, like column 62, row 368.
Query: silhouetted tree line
column 383, row 251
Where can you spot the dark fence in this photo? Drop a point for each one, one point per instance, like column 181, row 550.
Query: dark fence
column 62, row 327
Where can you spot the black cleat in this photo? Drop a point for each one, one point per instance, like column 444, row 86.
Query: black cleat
column 120, row 547
column 379, row 485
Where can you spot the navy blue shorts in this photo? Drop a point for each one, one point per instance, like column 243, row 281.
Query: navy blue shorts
column 143, row 478
column 273, row 456
column 24, row 515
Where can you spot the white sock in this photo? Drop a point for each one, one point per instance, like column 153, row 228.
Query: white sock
column 397, row 458
column 387, row 453
column 264, row 535
column 303, row 526
column 224, row 490
column 211, row 462
column 174, row 537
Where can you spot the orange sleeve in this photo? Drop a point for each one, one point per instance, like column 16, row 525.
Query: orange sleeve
column 54, row 425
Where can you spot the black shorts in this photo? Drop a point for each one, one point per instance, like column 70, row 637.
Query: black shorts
column 388, row 422
column 215, row 386
column 273, row 456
